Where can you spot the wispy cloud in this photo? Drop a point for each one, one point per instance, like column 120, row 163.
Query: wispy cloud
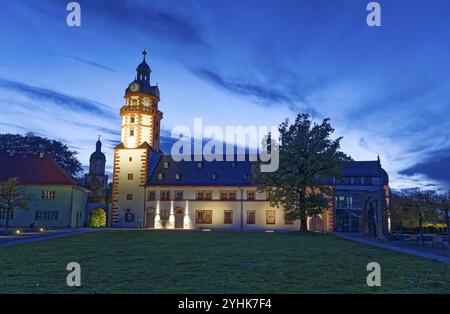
column 137, row 17
column 92, row 63
column 264, row 93
column 63, row 101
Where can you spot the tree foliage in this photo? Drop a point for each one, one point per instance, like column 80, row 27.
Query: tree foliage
column 12, row 196
column 31, row 143
column 97, row 218
column 308, row 160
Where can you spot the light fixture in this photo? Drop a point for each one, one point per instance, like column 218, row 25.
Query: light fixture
column 17, row 231
column 41, row 229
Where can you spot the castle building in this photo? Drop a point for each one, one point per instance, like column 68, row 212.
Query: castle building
column 96, row 180
column 151, row 190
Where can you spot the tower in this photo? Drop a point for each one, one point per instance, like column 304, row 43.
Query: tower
column 140, row 115
column 96, row 180
column 140, row 132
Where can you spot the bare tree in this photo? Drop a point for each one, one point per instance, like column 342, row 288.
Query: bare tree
column 12, row 196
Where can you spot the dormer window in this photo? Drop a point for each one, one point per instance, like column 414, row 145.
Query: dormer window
column 244, row 177
column 199, row 165
column 177, row 176
column 160, row 176
column 214, row 176
column 166, row 165
column 233, row 164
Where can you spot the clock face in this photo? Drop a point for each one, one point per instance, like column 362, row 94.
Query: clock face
column 134, row 87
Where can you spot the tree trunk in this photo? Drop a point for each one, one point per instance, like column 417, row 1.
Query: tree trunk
column 448, row 227
column 303, row 225
column 7, row 219
column 421, row 228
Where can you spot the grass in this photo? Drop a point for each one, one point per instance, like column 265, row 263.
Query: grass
column 213, row 262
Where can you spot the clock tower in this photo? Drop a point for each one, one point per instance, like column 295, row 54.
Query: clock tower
column 140, row 115
column 140, row 132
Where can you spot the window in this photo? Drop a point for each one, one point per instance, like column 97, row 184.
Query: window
column 270, row 217
column 228, row 195
column 199, row 165
column 46, row 215
column 287, row 220
column 3, row 214
column 203, row 216
column 251, row 195
column 130, row 159
column 166, row 165
column 132, row 120
column 48, row 195
column 164, row 195
column 250, row 217
column 165, row 214
column 131, row 132
column 214, row 176
column 178, row 195
column 129, row 197
column 357, row 181
column 151, row 195
column 160, row 176
column 228, row 217
column 177, row 176
column 129, row 216
column 130, row 176
column 204, row 195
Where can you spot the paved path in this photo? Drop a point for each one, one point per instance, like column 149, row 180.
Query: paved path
column 38, row 236
column 393, row 247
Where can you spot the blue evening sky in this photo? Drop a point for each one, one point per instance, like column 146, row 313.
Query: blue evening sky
column 246, row 62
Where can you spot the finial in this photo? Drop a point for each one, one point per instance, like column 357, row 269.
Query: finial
column 378, row 158
column 144, row 53
column 99, row 137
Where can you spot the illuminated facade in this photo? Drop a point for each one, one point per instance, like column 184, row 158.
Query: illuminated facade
column 151, row 190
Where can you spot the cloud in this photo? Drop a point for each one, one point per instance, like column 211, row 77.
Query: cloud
column 266, row 94
column 92, row 63
column 136, row 17
column 435, row 167
column 61, row 100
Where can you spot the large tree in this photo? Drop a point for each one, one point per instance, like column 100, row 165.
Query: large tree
column 31, row 143
column 12, row 196
column 308, row 160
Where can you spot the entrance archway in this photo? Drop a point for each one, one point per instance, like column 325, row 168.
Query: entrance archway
column 149, row 218
column 317, row 223
column 97, row 218
column 179, row 216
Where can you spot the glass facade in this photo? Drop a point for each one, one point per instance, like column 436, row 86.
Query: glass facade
column 348, row 208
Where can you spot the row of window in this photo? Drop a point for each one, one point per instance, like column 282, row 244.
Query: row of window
column 40, row 215
column 165, row 195
column 358, row 181
column 48, row 195
column 205, row 217
column 46, row 215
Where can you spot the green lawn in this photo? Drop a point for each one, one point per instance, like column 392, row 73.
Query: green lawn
column 213, row 262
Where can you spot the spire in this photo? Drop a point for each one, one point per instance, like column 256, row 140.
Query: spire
column 98, row 145
column 143, row 71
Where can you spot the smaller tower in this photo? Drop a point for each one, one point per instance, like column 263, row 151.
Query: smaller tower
column 96, row 180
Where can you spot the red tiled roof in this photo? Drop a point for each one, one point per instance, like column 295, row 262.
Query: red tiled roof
column 32, row 169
